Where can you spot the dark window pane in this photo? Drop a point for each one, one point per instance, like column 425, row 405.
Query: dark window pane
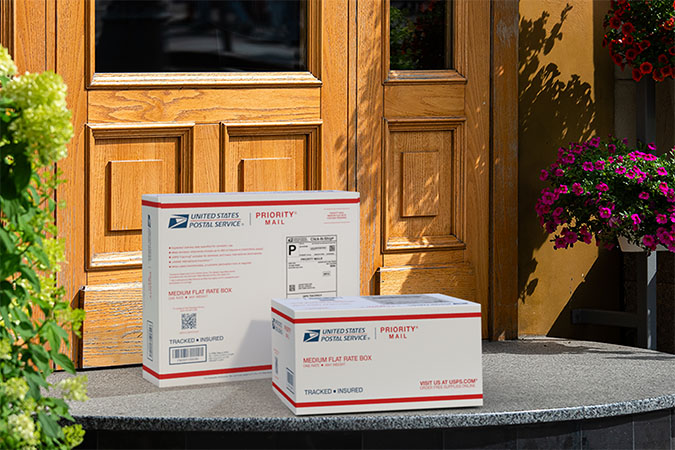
column 420, row 34
column 200, row 35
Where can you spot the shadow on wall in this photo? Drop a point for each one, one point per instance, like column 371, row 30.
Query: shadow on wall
column 555, row 110
column 552, row 112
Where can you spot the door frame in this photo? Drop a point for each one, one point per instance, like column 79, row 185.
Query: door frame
column 32, row 36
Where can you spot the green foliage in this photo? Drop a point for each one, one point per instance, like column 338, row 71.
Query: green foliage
column 34, row 318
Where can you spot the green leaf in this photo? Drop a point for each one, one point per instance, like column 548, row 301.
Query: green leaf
column 34, row 381
column 25, row 329
column 6, row 240
column 50, row 426
column 50, row 334
column 30, row 276
column 63, row 361
column 41, row 256
column 40, row 357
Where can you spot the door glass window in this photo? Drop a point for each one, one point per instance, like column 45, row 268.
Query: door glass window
column 200, row 35
column 420, row 34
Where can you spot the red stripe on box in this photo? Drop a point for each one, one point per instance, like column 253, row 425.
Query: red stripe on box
column 373, row 318
column 201, row 373
column 335, row 201
column 377, row 401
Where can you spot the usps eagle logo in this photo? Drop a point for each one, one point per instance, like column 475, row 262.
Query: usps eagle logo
column 311, row 336
column 179, row 221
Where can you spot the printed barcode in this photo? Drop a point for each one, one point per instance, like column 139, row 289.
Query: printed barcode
column 187, row 355
column 180, row 353
column 290, row 378
column 149, row 340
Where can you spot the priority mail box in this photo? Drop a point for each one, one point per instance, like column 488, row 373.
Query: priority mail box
column 213, row 262
column 348, row 354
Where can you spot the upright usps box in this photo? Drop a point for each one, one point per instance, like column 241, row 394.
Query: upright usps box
column 348, row 354
column 213, row 262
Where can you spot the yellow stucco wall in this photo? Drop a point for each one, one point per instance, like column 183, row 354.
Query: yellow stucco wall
column 566, row 93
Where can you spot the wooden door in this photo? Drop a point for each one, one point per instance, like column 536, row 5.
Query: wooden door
column 423, row 153
column 162, row 132
column 415, row 143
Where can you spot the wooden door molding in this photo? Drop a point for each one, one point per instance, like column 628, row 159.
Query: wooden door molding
column 169, row 80
column 428, row 175
column 503, row 311
column 124, row 161
column 305, row 161
column 7, row 25
column 459, row 16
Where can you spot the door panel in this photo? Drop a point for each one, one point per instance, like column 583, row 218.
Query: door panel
column 124, row 162
column 423, row 173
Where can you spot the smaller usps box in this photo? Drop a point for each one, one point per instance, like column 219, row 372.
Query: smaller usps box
column 377, row 353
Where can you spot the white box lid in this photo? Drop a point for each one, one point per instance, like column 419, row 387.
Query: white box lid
column 245, row 197
column 385, row 305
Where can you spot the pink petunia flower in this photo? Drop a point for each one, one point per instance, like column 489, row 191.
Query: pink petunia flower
column 662, row 171
column 577, row 189
column 661, row 218
column 587, row 166
column 543, row 176
column 636, row 219
column 620, row 170
column 643, row 195
column 559, row 172
column 560, row 243
column 602, row 187
column 649, row 241
column 605, row 212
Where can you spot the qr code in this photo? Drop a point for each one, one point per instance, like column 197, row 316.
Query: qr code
column 188, row 321
column 291, row 288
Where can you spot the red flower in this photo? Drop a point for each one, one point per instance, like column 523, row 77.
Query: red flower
column 671, row 50
column 627, row 28
column 645, row 68
column 615, row 22
column 657, row 76
column 637, row 74
column 670, row 23
column 618, row 59
column 631, row 53
column 667, row 71
column 644, row 45
column 663, row 59
column 628, row 40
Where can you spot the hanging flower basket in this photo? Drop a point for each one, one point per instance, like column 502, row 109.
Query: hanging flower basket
column 607, row 190
column 640, row 34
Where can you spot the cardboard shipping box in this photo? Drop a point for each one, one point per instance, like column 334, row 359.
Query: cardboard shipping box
column 213, row 262
column 349, row 354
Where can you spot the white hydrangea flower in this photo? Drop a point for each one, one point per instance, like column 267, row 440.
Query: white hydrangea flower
column 7, row 66
column 74, row 388
column 44, row 123
column 16, row 389
column 23, row 427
